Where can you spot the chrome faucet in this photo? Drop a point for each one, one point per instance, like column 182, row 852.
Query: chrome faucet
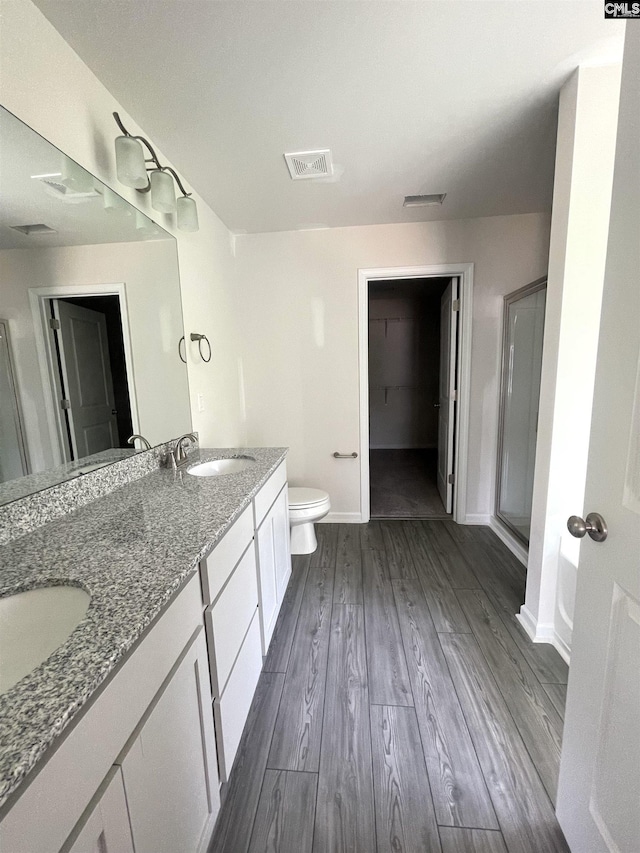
column 179, row 455
column 132, row 440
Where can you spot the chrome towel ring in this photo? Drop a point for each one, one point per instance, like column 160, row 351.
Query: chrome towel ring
column 195, row 336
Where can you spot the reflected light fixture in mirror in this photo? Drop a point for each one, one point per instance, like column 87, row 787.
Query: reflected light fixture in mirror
column 133, row 168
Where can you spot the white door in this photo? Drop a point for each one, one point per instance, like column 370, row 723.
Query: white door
column 86, row 370
column 13, row 458
column 598, row 802
column 170, row 774
column 447, row 393
column 104, row 827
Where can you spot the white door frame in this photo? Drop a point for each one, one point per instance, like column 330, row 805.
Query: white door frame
column 463, row 385
column 38, row 297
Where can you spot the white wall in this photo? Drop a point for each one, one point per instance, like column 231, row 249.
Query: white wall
column 46, row 85
column 579, row 233
column 298, row 293
column 149, row 271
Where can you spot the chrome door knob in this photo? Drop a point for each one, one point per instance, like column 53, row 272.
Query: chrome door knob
column 594, row 524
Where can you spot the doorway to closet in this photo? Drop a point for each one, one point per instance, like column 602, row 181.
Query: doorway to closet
column 412, row 352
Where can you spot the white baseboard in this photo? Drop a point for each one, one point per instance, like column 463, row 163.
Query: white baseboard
column 528, row 621
column 476, row 518
column 543, row 632
column 342, row 518
column 562, row 648
column 514, row 545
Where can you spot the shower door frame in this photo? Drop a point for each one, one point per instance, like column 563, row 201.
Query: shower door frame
column 509, row 299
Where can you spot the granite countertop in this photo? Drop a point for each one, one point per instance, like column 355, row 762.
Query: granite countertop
column 13, row 490
column 131, row 551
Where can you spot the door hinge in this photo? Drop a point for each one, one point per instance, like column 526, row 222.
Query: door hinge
column 65, row 404
column 54, row 323
column 451, row 479
column 455, row 305
column 454, row 396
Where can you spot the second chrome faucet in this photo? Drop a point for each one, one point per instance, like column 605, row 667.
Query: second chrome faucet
column 179, row 456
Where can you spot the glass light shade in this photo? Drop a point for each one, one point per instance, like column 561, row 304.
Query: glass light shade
column 130, row 166
column 113, row 203
column 75, row 178
column 163, row 192
column 187, row 214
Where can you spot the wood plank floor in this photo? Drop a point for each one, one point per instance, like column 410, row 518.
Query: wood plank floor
column 401, row 708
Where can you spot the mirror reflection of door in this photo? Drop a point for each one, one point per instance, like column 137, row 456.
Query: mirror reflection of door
column 93, row 384
column 13, row 457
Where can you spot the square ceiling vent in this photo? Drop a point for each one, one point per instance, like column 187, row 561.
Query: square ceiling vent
column 310, row 164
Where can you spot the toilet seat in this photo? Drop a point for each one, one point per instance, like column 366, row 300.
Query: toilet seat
column 303, row 498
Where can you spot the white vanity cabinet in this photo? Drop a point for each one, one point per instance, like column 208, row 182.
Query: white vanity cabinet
column 274, row 562
column 137, row 770
column 243, row 583
column 104, row 827
column 149, row 732
column 230, row 592
column 167, row 769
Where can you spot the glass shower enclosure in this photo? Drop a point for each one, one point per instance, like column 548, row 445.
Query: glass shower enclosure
column 523, row 332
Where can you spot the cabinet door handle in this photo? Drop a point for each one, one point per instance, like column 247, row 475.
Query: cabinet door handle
column 353, row 455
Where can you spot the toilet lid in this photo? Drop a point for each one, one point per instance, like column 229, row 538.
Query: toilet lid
column 302, row 497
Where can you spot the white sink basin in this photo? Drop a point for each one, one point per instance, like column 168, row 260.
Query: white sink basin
column 217, row 467
column 34, row 624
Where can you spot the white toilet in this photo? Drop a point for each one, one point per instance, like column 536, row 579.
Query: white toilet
column 305, row 507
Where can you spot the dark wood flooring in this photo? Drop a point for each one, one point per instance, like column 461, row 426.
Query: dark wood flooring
column 401, row 708
column 403, row 484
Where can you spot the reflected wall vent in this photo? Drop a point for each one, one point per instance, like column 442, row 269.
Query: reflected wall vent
column 424, row 200
column 310, row 164
column 53, row 186
column 33, row 230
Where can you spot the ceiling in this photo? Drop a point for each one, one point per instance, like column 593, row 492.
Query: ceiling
column 411, row 96
column 76, row 220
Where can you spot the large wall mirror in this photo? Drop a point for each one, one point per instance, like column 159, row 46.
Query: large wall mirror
column 90, row 320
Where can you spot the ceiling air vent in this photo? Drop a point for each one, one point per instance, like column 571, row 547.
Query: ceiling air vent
column 423, row 200
column 33, row 230
column 70, row 195
column 310, row 164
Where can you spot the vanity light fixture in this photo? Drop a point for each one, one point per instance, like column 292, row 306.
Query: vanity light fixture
column 147, row 174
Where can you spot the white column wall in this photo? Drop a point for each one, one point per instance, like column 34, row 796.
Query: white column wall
column 577, row 253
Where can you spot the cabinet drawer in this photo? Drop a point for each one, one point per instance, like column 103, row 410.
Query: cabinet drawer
column 232, row 709
column 228, row 619
column 269, row 492
column 216, row 568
